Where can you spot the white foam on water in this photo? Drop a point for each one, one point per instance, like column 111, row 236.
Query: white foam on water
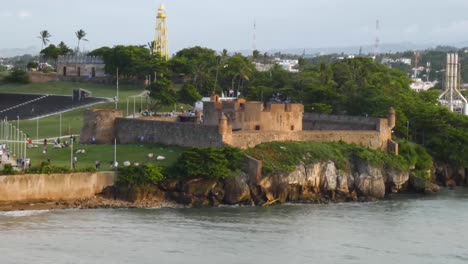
column 24, row 213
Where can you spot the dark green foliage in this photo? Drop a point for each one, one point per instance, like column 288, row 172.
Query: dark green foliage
column 133, row 62
column 209, row 163
column 8, row 170
column 52, row 52
column 46, row 168
column 18, row 76
column 161, row 94
column 135, row 176
column 416, row 156
column 284, row 157
column 188, row 95
column 32, row 65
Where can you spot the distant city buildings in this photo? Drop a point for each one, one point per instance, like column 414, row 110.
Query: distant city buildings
column 286, row 64
column 387, row 60
column 418, row 85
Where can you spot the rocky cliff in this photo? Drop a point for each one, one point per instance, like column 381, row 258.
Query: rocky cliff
column 317, row 182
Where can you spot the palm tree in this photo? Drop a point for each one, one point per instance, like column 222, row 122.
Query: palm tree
column 80, row 34
column 255, row 55
column 44, row 35
column 151, row 45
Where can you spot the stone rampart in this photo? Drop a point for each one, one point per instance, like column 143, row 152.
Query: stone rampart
column 253, row 169
column 371, row 139
column 53, row 187
column 99, row 124
column 336, row 122
column 39, row 77
column 132, row 131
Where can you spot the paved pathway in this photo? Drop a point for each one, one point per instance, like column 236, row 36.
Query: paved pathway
column 6, row 161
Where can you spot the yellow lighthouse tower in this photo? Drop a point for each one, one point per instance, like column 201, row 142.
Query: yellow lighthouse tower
column 160, row 39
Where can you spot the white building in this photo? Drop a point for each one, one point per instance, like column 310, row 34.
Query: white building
column 418, row 85
column 288, row 65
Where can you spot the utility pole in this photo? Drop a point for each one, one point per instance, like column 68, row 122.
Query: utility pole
column 117, row 96
column 60, row 128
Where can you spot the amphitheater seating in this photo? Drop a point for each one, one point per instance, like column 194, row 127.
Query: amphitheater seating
column 10, row 100
column 31, row 106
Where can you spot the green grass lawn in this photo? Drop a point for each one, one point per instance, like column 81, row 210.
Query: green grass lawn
column 72, row 123
column 105, row 154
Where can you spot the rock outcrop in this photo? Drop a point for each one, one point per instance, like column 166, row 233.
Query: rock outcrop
column 318, row 182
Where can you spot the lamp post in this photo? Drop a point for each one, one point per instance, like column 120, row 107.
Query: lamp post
column 71, row 152
column 37, row 129
column 115, row 153
column 60, row 126
column 117, row 96
column 20, row 144
column 25, row 146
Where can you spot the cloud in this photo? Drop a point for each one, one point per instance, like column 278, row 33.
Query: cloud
column 23, row 14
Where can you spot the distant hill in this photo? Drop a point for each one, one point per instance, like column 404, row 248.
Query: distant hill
column 7, row 53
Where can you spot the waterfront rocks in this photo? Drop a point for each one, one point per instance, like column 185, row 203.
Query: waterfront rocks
column 369, row 181
column 237, row 191
column 451, row 176
column 423, row 186
column 318, row 182
column 396, row 181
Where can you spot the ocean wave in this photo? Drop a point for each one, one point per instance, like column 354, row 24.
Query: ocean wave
column 24, row 213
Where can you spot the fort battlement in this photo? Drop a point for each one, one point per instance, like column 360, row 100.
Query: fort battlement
column 79, row 59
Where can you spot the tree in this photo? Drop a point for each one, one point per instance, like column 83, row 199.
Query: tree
column 255, row 55
column 64, row 49
column 44, row 36
column 161, row 94
column 188, row 95
column 18, row 76
column 80, row 34
column 52, row 52
column 151, row 45
column 133, row 62
column 198, row 65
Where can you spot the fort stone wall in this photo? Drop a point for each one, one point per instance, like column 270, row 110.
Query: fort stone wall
column 371, row 139
column 53, row 187
column 133, row 131
column 99, row 124
column 336, row 122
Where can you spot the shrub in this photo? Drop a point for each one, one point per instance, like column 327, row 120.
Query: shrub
column 134, row 176
column 18, row 76
column 284, row 157
column 46, row 168
column 416, row 156
column 209, row 163
column 8, row 170
column 32, row 65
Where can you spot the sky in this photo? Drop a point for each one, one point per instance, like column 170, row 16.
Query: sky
column 228, row 24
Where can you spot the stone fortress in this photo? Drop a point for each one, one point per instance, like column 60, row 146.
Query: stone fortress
column 241, row 124
column 81, row 66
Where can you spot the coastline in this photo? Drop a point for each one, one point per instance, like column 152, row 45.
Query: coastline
column 96, row 202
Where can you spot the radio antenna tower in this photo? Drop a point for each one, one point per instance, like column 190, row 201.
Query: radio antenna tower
column 160, row 40
column 254, row 43
column 377, row 39
column 452, row 98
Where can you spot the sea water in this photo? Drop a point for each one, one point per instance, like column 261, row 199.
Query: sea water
column 404, row 229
